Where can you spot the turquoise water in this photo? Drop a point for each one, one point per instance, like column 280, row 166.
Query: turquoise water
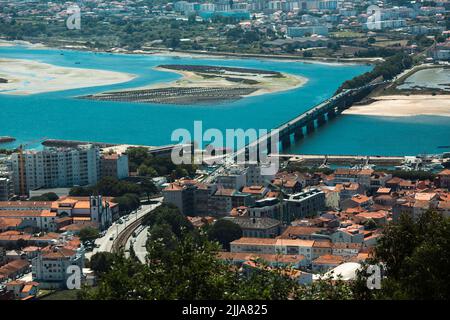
column 58, row 115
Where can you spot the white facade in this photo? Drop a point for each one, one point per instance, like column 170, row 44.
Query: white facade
column 57, row 167
column 49, row 268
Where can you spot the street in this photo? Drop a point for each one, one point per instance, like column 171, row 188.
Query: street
column 104, row 244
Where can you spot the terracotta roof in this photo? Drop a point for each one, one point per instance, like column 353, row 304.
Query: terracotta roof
column 244, row 256
column 445, row 172
column 329, row 259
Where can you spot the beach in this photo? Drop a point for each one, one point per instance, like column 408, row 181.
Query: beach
column 404, row 106
column 27, row 77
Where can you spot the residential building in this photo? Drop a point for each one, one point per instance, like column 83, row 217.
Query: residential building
column 234, row 177
column 258, row 227
column 306, row 203
column 326, row 262
column 49, row 268
column 56, row 167
column 114, row 165
column 273, row 246
column 444, row 179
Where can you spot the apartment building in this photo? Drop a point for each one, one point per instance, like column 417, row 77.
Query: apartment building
column 306, row 203
column 258, row 227
column 49, row 268
column 56, row 167
column 6, row 180
column 273, row 246
column 114, row 165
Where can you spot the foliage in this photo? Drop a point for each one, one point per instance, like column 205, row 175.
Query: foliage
column 147, row 165
column 387, row 70
column 49, row 196
column 224, row 231
column 128, row 202
column 416, row 255
column 101, row 262
column 88, row 234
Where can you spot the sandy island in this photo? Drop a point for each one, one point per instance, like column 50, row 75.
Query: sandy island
column 261, row 82
column 208, row 84
column 404, row 106
column 27, row 77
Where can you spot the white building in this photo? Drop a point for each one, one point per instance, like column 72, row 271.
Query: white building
column 50, row 267
column 56, row 167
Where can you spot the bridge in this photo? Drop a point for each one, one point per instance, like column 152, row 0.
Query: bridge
column 308, row 121
column 296, row 128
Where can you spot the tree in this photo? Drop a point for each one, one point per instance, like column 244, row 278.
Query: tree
column 49, row 196
column 88, row 234
column 416, row 255
column 224, row 231
column 170, row 215
column 149, row 188
column 101, row 262
column 128, row 202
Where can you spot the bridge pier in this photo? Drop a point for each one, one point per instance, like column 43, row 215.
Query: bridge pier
column 285, row 142
column 331, row 114
column 310, row 127
column 321, row 119
column 298, row 133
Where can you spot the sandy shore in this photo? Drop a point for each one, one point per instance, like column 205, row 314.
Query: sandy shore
column 30, row 77
column 404, row 106
column 265, row 85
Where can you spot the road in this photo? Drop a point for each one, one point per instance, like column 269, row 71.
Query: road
column 138, row 244
column 104, row 243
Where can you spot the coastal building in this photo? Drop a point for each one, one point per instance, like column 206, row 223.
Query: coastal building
column 6, row 180
column 56, row 167
column 114, row 165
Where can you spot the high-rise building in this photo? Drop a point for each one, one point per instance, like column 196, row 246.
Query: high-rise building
column 55, row 167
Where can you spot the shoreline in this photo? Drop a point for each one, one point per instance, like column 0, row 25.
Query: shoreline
column 404, row 106
column 27, row 77
column 196, row 54
column 193, row 79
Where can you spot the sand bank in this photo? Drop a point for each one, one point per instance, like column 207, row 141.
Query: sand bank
column 262, row 83
column 30, row 77
column 404, row 106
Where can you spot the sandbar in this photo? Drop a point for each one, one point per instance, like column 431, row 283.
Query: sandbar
column 404, row 106
column 27, row 77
